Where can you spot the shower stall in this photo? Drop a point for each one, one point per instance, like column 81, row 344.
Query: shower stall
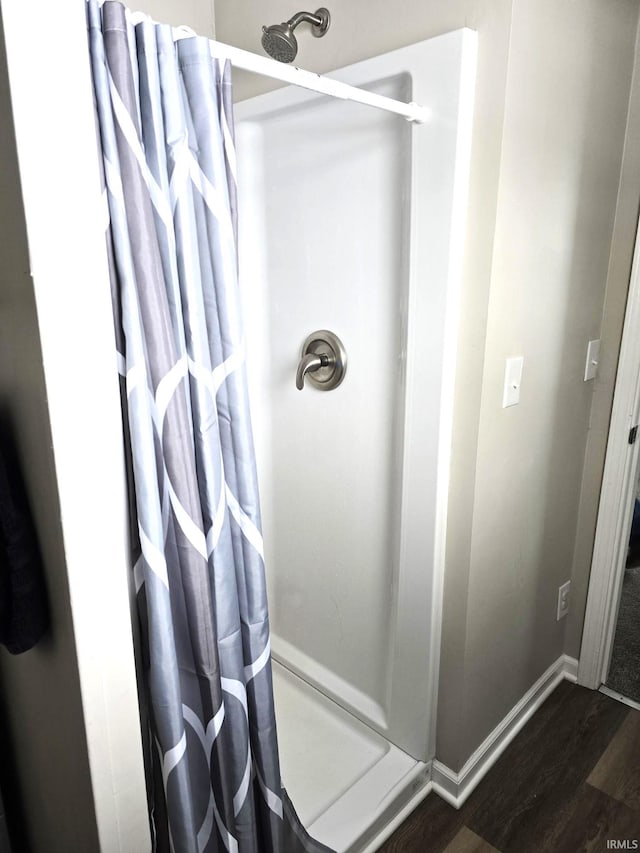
column 352, row 222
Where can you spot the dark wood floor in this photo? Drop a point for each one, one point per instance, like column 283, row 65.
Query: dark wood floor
column 569, row 782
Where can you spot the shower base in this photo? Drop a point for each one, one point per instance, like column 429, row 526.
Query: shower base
column 346, row 781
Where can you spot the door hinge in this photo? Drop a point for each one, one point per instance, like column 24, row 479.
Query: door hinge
column 633, row 434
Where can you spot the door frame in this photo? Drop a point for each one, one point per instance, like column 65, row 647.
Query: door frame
column 616, row 499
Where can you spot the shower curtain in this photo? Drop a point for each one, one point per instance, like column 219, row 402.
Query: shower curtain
column 165, row 127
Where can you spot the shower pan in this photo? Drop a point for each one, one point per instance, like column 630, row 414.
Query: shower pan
column 352, row 220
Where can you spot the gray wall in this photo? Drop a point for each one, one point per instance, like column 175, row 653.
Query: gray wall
column 553, row 88
column 565, row 122
column 197, row 14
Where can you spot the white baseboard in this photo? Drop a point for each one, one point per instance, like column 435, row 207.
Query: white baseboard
column 456, row 787
column 571, row 669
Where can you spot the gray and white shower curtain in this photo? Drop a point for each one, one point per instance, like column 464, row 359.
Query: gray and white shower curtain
column 165, row 127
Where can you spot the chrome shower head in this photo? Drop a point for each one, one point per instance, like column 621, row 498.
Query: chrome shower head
column 279, row 41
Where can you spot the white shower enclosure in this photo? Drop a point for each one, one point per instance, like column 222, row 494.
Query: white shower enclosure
column 352, row 220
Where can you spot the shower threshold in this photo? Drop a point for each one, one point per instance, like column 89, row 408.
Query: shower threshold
column 346, row 781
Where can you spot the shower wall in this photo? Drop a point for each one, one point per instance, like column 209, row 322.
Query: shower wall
column 334, row 255
column 348, row 223
column 363, row 28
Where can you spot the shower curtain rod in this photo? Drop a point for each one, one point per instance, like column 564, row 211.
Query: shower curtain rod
column 306, row 79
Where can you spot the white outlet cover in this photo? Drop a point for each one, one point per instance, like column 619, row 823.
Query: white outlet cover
column 564, row 595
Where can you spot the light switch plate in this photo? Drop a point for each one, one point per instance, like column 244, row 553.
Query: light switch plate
column 512, row 381
column 591, row 364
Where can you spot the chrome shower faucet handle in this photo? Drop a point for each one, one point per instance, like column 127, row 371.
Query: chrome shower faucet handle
column 323, row 361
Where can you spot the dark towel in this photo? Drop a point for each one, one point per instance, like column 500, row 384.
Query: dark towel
column 23, row 601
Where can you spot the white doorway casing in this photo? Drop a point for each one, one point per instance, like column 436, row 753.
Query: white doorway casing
column 616, row 501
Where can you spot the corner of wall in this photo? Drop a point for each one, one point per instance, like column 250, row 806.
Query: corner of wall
column 494, row 45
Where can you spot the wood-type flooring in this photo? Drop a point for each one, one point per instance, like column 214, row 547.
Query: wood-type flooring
column 569, row 782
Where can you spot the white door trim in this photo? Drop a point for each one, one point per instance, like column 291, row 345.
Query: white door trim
column 616, row 500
